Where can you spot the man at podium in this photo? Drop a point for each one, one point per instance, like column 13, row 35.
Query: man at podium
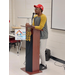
column 40, row 23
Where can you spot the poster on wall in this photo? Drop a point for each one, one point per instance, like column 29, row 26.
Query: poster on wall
column 20, row 34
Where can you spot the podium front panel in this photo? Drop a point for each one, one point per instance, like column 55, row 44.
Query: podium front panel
column 29, row 54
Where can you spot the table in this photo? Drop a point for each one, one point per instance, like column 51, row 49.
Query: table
column 12, row 35
column 16, row 27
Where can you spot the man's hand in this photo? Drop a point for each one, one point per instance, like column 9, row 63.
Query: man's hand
column 28, row 25
column 32, row 26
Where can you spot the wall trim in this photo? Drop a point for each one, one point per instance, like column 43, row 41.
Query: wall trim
column 57, row 59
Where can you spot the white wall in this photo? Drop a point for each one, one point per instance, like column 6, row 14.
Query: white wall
column 10, row 15
column 56, row 38
column 19, row 11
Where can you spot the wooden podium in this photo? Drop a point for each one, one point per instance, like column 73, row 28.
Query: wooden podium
column 32, row 52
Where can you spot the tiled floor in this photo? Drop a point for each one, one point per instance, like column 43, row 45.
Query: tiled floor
column 16, row 61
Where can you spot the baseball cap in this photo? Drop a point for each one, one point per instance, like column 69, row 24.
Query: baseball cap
column 39, row 6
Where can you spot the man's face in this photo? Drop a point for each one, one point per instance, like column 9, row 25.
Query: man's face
column 37, row 10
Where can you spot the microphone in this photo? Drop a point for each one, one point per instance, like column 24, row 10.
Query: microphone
column 32, row 17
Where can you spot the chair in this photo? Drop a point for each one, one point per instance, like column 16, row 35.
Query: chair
column 13, row 42
column 13, row 38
